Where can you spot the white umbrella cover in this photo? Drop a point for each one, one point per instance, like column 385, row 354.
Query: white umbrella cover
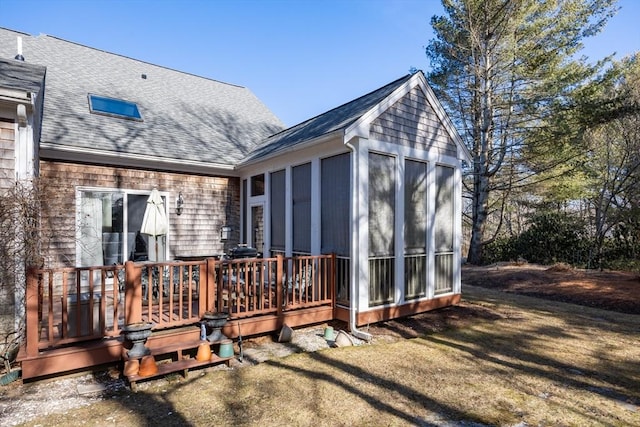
column 154, row 222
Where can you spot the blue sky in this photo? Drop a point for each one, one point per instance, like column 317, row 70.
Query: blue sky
column 300, row 57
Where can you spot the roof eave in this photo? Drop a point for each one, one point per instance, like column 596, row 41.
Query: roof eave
column 50, row 151
column 297, row 147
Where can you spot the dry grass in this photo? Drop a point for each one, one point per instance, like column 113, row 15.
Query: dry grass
column 532, row 361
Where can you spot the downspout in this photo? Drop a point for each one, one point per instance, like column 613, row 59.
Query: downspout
column 355, row 232
column 23, row 150
column 21, row 173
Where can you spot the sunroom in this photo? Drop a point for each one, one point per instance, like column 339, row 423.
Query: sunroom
column 377, row 181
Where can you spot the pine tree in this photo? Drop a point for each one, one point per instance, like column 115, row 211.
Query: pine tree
column 502, row 68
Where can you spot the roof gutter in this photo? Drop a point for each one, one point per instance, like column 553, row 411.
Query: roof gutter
column 291, row 149
column 57, row 152
column 15, row 95
column 355, row 232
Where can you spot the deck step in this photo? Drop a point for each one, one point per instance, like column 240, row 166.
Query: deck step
column 180, row 364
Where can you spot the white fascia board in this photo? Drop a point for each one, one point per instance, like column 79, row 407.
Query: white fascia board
column 282, row 162
column 413, row 153
column 361, row 126
column 445, row 120
column 57, row 152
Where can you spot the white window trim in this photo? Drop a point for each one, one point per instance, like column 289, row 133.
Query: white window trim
column 126, row 191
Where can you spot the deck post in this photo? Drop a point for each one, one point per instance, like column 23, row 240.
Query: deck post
column 132, row 294
column 32, row 298
column 218, row 288
column 332, row 281
column 279, row 285
column 210, row 286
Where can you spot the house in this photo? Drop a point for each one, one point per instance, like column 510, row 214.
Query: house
column 21, row 95
column 376, row 181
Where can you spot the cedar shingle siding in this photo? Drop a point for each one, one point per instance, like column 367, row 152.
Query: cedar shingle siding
column 7, row 172
column 210, row 202
column 7, row 154
column 411, row 122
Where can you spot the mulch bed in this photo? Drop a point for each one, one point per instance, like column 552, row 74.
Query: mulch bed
column 610, row 290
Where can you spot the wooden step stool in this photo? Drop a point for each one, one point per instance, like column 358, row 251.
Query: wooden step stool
column 180, row 361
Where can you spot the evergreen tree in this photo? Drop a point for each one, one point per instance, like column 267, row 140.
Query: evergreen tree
column 612, row 163
column 502, row 69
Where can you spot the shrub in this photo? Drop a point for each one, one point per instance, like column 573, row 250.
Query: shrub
column 552, row 237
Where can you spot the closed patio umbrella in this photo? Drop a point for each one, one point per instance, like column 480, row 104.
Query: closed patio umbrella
column 154, row 222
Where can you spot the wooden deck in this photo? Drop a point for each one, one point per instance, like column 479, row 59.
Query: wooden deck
column 75, row 315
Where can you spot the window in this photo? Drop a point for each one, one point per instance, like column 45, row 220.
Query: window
column 244, row 237
column 335, row 214
column 114, row 107
column 109, row 225
column 278, row 207
column 444, row 209
column 415, row 229
column 444, row 230
column 335, row 207
column 301, row 200
column 382, row 202
column 257, row 185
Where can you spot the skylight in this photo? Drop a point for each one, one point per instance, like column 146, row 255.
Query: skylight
column 114, row 107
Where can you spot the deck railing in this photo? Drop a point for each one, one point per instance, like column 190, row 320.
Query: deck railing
column 415, row 276
column 343, row 280
column 444, row 272
column 68, row 305
column 381, row 279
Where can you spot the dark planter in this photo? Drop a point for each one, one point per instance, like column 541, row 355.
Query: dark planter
column 137, row 334
column 214, row 323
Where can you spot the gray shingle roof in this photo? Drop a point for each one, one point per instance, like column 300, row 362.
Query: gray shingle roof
column 336, row 119
column 185, row 117
column 21, row 76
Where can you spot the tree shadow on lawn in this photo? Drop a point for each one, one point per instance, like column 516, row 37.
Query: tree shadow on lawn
column 153, row 408
column 518, row 345
column 516, row 332
column 414, row 395
column 462, row 315
column 519, row 352
column 508, row 345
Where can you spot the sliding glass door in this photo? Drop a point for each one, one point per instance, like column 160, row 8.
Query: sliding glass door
column 109, row 224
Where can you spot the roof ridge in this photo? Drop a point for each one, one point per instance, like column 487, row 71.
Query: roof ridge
column 134, row 59
column 15, row 31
